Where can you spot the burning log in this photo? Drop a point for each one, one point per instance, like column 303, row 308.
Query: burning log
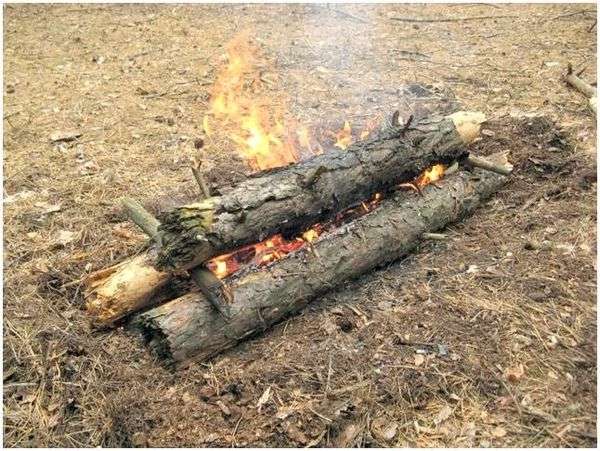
column 188, row 327
column 291, row 199
column 285, row 200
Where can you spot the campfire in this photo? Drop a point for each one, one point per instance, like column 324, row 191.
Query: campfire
column 337, row 206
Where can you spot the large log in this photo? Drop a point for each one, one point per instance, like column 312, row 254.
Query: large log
column 265, row 200
column 188, row 327
column 291, row 199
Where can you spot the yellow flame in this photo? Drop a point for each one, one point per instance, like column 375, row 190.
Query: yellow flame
column 344, row 136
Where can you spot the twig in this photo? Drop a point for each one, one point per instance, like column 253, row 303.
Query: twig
column 561, row 16
column 200, row 179
column 351, row 16
column 585, row 88
column 482, row 163
column 140, row 216
column 448, row 19
column 213, row 289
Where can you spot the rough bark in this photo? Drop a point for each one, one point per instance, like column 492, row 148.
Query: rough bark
column 188, row 327
column 291, row 199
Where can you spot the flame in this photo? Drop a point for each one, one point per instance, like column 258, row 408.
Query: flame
column 344, row 136
column 431, row 175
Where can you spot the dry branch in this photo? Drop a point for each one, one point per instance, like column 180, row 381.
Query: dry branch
column 188, row 328
column 582, row 86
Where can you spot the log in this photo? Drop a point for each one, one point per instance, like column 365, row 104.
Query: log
column 188, row 328
column 291, row 199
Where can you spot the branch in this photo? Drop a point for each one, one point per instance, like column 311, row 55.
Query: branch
column 141, row 217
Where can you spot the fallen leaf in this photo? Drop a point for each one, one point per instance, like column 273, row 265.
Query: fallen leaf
column 347, row 436
column 264, row 398
column 419, row 359
column 64, row 237
column 383, row 429
column 296, row 434
column 18, row 196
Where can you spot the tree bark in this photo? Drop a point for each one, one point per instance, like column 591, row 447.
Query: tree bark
column 188, row 327
column 291, row 199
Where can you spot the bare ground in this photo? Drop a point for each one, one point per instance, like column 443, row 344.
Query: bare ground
column 507, row 303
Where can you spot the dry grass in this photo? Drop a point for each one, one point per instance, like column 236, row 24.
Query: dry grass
column 110, row 71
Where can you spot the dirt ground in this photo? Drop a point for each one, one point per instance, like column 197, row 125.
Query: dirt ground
column 507, row 304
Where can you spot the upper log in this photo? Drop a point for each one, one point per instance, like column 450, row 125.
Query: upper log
column 291, row 199
column 188, row 327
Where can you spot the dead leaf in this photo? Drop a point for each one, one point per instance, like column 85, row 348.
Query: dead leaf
column 296, row 434
column 264, row 398
column 419, row 359
column 383, row 429
column 347, row 436
column 64, row 237
column 18, row 196
column 442, row 415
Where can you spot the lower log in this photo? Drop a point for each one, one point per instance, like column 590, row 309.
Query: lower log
column 188, row 327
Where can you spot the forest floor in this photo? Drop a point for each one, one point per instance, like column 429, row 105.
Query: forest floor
column 517, row 318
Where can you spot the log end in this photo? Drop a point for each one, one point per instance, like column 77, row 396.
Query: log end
column 114, row 292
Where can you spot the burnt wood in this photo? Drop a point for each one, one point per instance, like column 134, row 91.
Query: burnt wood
column 188, row 327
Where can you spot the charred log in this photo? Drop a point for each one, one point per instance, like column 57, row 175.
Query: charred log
column 291, row 199
column 188, row 327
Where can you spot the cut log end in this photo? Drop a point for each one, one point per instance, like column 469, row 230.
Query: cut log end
column 114, row 292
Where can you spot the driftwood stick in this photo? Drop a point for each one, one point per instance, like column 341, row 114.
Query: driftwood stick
column 583, row 87
column 140, row 216
column 498, row 168
column 579, row 84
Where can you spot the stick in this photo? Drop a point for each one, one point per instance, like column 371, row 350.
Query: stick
column 204, row 189
column 447, row 19
column 577, row 83
column 478, row 162
column 140, row 216
column 213, row 289
column 582, row 86
column 434, row 236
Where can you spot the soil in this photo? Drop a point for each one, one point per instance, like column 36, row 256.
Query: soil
column 485, row 339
